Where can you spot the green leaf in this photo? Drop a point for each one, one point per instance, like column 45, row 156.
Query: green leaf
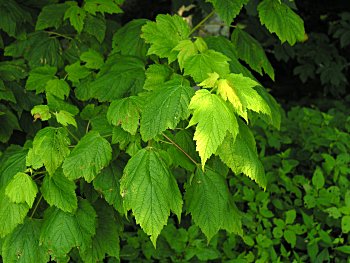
column 186, row 49
column 33, row 160
column 165, row 108
column 51, row 146
column 13, row 70
column 22, row 189
column 88, row 158
column 249, row 50
column 92, row 58
column 39, row 77
column 61, row 231
column 345, row 224
column 95, row 26
column 290, row 237
column 41, row 112
column 58, row 87
column 281, row 19
column 208, row 200
column 343, row 249
column 22, row 245
column 65, row 118
column 125, row 112
column 209, row 61
column 290, row 216
column 214, row 120
column 228, row 9
column 12, row 161
column 5, row 93
column 76, row 72
column 241, row 156
column 151, row 191
column 58, row 191
column 238, row 90
column 56, row 104
column 9, row 122
column 156, row 75
column 106, row 240
column 127, row 39
column 103, row 6
column 119, row 75
column 76, row 17
column 11, row 214
column 162, row 41
column 107, row 183
column 51, row 16
column 318, row 179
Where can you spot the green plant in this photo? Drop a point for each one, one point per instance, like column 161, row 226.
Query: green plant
column 104, row 135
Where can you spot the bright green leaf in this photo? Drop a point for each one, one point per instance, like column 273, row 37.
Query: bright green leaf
column 318, row 179
column 228, row 9
column 88, row 158
column 186, row 49
column 165, row 108
column 58, row 87
column 51, row 146
column 41, row 112
column 200, row 65
column 22, row 189
column 151, row 191
column 241, row 156
column 76, row 17
column 345, row 224
column 76, row 72
column 126, row 113
column 58, row 191
column 290, row 237
column 214, row 119
column 281, row 19
column 156, row 75
column 290, row 216
column 65, row 118
column 157, row 34
column 103, row 6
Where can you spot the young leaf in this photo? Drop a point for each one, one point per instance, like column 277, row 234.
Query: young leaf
column 41, row 112
column 249, row 50
column 51, row 145
column 65, row 118
column 76, row 17
column 61, row 231
column 58, row 191
column 21, row 189
column 127, row 39
column 76, row 72
column 150, row 190
column 22, row 245
column 106, row 240
column 214, row 120
column 119, row 75
column 39, row 77
column 88, row 158
column 166, row 107
column 186, row 49
column 280, row 19
column 57, row 87
column 208, row 200
column 200, row 65
column 228, row 9
column 241, row 156
column 11, row 214
column 125, row 112
column 239, row 91
column 157, row 34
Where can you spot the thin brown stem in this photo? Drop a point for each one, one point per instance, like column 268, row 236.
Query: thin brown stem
column 179, row 147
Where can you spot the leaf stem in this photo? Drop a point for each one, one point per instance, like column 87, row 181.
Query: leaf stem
column 87, row 127
column 71, row 134
column 179, row 147
column 36, row 206
column 202, row 22
column 58, row 34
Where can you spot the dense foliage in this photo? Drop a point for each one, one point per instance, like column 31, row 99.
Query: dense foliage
column 156, row 140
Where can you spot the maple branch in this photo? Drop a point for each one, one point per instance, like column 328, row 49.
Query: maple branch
column 179, row 147
column 36, row 206
column 202, row 22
